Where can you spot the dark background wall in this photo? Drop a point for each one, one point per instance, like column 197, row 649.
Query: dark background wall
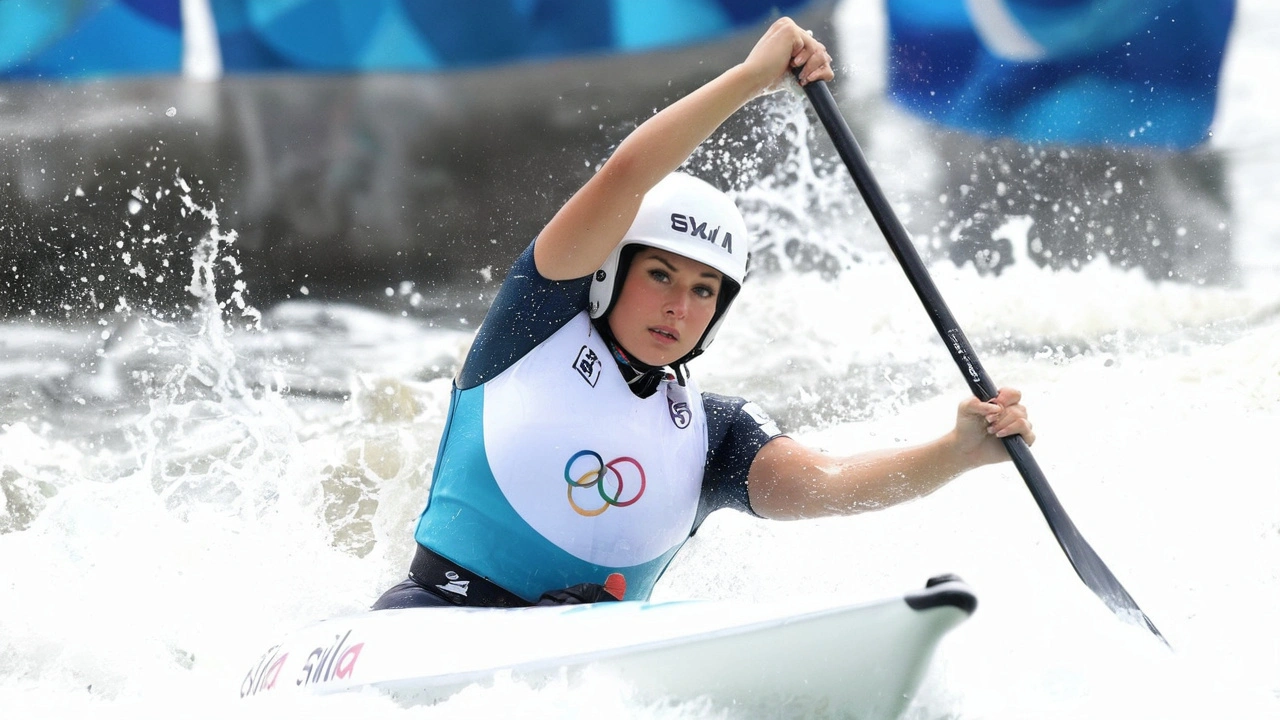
column 345, row 159
column 337, row 182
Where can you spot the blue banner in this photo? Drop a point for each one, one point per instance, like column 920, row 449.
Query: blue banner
column 73, row 39
column 60, row 39
column 1094, row 72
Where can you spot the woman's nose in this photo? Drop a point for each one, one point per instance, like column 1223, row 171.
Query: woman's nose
column 677, row 306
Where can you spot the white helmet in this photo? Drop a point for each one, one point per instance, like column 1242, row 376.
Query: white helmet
column 691, row 218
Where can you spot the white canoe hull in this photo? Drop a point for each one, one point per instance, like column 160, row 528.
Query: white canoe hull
column 864, row 660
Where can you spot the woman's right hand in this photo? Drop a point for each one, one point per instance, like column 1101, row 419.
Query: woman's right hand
column 784, row 46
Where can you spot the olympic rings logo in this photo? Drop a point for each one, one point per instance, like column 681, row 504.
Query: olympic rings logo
column 597, row 471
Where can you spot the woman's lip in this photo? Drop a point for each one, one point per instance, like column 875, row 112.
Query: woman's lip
column 665, row 334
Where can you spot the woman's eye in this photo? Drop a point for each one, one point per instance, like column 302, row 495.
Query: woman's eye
column 704, row 292
column 658, row 275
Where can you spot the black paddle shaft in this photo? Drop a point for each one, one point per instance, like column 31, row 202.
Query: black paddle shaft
column 1086, row 562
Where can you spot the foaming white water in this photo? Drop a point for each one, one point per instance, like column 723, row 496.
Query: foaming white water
column 1177, row 498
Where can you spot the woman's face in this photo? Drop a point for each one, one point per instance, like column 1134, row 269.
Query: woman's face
column 665, row 305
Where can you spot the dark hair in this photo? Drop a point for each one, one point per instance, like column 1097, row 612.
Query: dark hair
column 625, row 258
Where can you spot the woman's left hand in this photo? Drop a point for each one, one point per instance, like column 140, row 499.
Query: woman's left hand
column 981, row 425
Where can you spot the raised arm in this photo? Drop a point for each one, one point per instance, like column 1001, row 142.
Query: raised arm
column 586, row 229
column 789, row 481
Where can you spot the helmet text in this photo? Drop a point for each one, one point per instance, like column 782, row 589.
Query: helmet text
column 688, row 224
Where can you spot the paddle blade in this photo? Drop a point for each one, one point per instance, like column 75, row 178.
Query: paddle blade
column 1092, row 571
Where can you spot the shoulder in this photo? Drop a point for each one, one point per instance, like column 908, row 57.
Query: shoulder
column 737, row 431
column 728, row 413
column 527, row 310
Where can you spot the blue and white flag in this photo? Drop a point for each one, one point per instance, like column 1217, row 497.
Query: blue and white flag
column 1126, row 72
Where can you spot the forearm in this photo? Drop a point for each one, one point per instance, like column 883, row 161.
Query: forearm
column 796, row 482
